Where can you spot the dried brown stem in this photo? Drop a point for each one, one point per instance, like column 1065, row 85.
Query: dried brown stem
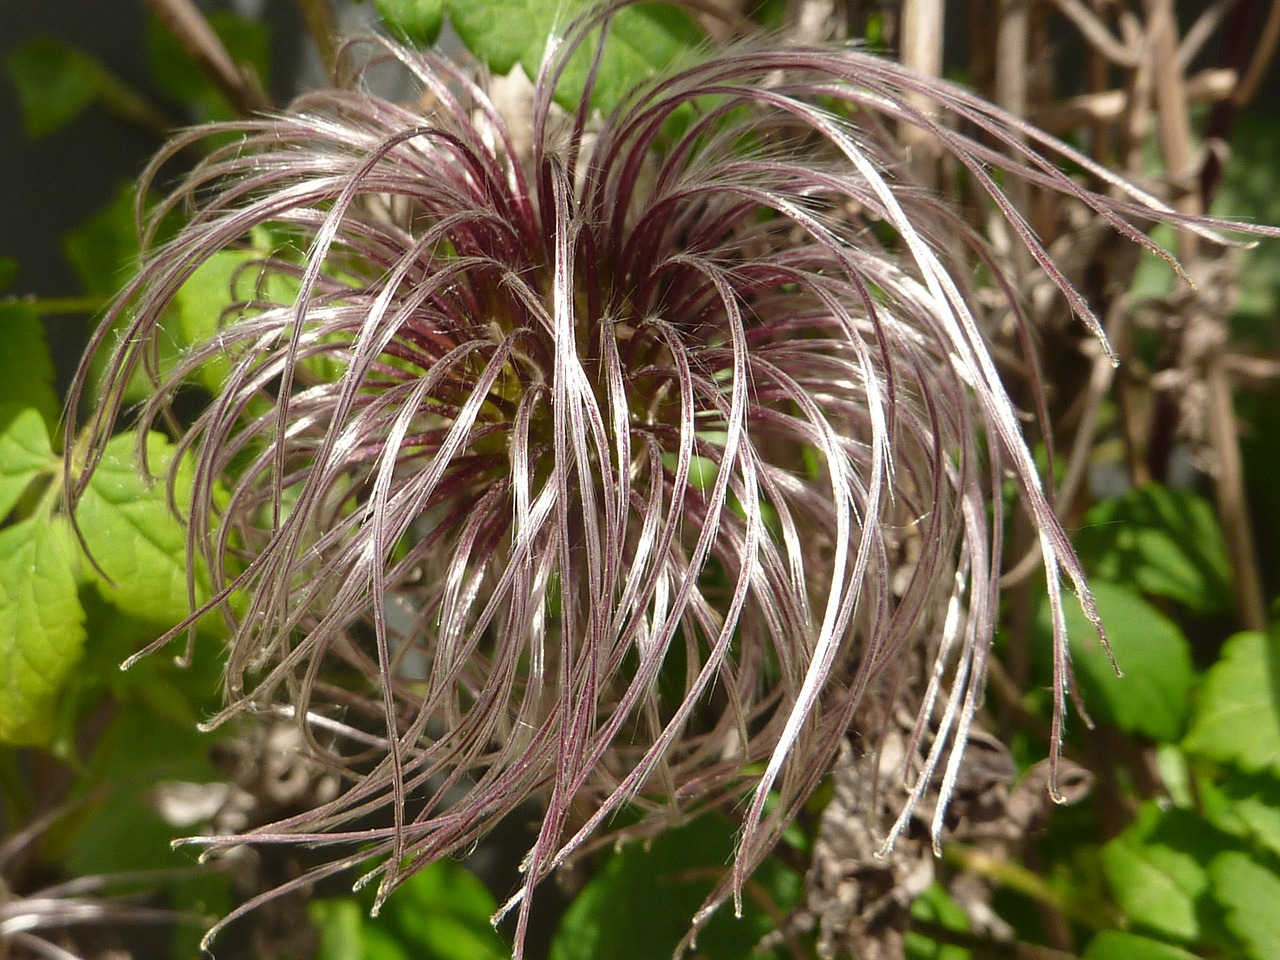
column 1096, row 32
column 318, row 16
column 1262, row 56
column 188, row 25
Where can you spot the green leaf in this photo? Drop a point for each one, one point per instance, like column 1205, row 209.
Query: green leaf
column 1250, row 191
column 1237, row 715
column 936, row 907
column 26, row 369
column 1252, row 809
column 24, row 452
column 1151, row 697
column 643, row 39
column 139, row 751
column 132, row 534
column 418, row 21
column 1165, row 541
column 228, row 277
column 55, row 83
column 1250, row 893
column 440, row 913
column 1118, row 945
column 671, row 877
column 41, row 627
column 1156, row 869
column 8, row 272
column 103, row 250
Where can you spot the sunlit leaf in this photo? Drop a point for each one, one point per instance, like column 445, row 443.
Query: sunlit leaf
column 132, row 533
column 1151, row 697
column 24, row 452
column 1119, row 945
column 41, row 627
column 441, row 913
column 1237, row 715
column 643, row 39
column 416, row 20
column 1250, row 893
column 1156, row 869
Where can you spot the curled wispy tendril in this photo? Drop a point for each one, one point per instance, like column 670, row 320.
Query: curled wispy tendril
column 612, row 474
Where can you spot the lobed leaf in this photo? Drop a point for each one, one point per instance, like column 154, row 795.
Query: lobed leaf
column 24, row 452
column 1151, row 697
column 1250, row 894
column 132, row 533
column 643, row 39
column 41, row 627
column 1156, row 869
column 1237, row 715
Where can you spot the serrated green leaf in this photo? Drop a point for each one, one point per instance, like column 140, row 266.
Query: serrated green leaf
column 8, row 272
column 228, row 277
column 132, row 534
column 671, row 876
column 1156, row 869
column 26, row 368
column 24, row 452
column 643, row 39
column 418, row 21
column 1237, row 714
column 1152, row 696
column 1118, row 945
column 1250, row 894
column 1167, row 542
column 55, row 83
column 41, row 627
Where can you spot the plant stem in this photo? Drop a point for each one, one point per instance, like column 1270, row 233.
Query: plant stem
column 60, row 306
column 188, row 25
column 984, row 947
column 130, row 105
column 320, row 24
column 1017, row 877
